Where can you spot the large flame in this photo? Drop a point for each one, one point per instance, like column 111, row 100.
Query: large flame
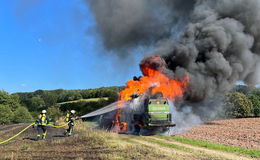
column 157, row 82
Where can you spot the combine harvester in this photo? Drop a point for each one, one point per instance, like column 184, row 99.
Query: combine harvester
column 140, row 115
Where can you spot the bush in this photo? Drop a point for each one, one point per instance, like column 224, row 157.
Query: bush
column 36, row 104
column 54, row 113
column 12, row 101
column 239, row 105
column 256, row 104
column 35, row 115
column 6, row 114
column 22, row 115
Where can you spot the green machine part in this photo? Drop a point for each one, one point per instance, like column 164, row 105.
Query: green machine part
column 159, row 113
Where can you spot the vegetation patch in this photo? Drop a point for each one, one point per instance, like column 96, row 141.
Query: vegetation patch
column 210, row 145
column 115, row 146
column 164, row 144
column 86, row 100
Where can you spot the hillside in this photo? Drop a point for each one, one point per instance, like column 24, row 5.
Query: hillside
column 56, row 102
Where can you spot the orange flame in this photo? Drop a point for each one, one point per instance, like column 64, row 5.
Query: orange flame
column 157, row 82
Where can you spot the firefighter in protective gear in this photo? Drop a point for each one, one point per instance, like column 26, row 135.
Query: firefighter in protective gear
column 42, row 124
column 71, row 118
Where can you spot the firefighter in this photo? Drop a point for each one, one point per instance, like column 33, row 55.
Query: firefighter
column 42, row 125
column 70, row 117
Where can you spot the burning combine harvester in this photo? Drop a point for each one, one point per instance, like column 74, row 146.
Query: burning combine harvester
column 144, row 103
column 143, row 115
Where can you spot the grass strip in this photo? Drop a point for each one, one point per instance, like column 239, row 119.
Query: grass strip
column 85, row 100
column 250, row 152
column 164, row 144
column 177, row 147
column 129, row 141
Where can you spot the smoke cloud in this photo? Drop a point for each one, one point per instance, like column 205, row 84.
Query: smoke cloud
column 125, row 24
column 218, row 42
column 219, row 47
column 184, row 120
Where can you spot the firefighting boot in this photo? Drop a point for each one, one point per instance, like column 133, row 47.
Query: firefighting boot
column 44, row 135
column 69, row 134
column 38, row 137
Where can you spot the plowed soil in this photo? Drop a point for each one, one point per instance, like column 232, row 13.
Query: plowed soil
column 235, row 132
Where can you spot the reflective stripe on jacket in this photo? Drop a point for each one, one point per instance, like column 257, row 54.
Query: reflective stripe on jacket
column 67, row 117
column 43, row 120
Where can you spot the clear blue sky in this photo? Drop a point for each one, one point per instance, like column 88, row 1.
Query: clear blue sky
column 51, row 44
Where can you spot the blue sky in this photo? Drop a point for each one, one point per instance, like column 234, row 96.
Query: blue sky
column 51, row 44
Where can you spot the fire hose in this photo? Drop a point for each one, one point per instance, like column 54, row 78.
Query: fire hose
column 58, row 126
column 28, row 128
column 17, row 134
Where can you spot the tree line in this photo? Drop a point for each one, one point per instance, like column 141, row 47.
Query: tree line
column 241, row 102
column 26, row 106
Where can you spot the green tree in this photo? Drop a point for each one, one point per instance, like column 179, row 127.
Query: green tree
column 112, row 97
column 54, row 112
column 5, row 98
column 6, row 114
column 35, row 115
column 36, row 104
column 70, row 96
column 256, row 92
column 239, row 105
column 255, row 99
column 11, row 100
column 22, row 115
column 50, row 99
column 39, row 92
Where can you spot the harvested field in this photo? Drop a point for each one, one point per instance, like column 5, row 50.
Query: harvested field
column 85, row 143
column 235, row 132
column 88, row 143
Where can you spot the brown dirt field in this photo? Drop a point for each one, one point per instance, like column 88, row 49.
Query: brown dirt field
column 85, row 143
column 243, row 132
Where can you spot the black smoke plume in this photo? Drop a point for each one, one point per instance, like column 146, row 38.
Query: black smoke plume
column 125, row 24
column 219, row 42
